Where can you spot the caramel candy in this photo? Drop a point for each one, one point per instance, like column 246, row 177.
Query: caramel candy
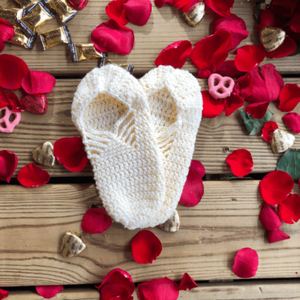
column 22, row 40
column 56, row 36
column 281, row 141
column 83, row 52
column 272, row 38
column 11, row 14
column 72, row 244
column 26, row 3
column 65, row 11
column 172, row 224
column 195, row 14
column 43, row 155
column 104, row 60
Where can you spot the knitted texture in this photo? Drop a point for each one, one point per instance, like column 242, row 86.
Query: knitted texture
column 176, row 105
column 111, row 112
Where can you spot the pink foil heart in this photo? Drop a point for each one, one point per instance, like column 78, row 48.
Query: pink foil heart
column 36, row 104
column 220, row 87
column 5, row 124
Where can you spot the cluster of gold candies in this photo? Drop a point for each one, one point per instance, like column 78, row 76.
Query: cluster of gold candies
column 33, row 14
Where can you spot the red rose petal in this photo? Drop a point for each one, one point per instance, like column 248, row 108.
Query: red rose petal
column 158, row 289
column 49, row 291
column 187, row 283
column 79, row 4
column 235, row 26
column 160, row 3
column 277, row 236
column 268, row 19
column 288, row 47
column 257, row 110
column 243, row 86
column 182, row 5
column 284, row 8
column 293, row 23
column 146, row 247
column 8, row 165
column 113, row 37
column 70, row 153
column 292, row 120
column 37, row 82
column 245, row 263
column 4, row 101
column 228, row 68
column 267, row 131
column 6, row 31
column 14, row 102
column 289, row 209
column 289, row 97
column 138, row 12
column 232, row 103
column 12, row 70
column 193, row 189
column 240, row 162
column 36, row 104
column 211, row 51
column 116, row 11
column 269, row 219
column 32, row 176
column 249, row 57
column 222, row 8
column 3, row 294
column 174, row 55
column 276, row 186
column 114, row 291
column 96, row 220
column 211, row 107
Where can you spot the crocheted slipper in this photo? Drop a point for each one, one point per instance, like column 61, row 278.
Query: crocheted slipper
column 111, row 112
column 175, row 103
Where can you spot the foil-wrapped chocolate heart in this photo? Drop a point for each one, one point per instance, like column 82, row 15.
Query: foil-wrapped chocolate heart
column 272, row 38
column 72, row 244
column 172, row 224
column 281, row 141
column 36, row 104
column 195, row 14
column 43, row 155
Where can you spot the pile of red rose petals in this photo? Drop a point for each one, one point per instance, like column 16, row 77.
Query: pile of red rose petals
column 245, row 263
column 240, row 162
column 49, row 291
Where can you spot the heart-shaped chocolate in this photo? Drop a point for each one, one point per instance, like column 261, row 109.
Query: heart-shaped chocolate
column 36, row 104
column 272, row 38
column 195, row 14
column 72, row 244
column 281, row 141
column 172, row 224
column 43, row 155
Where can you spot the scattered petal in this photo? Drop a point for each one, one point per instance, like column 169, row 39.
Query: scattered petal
column 243, row 86
column 211, row 107
column 182, row 5
column 8, row 165
column 115, row 291
column 4, row 101
column 14, row 102
column 289, row 209
column 240, row 162
column 146, row 247
column 116, row 11
column 96, row 220
column 289, row 97
column 222, row 8
column 228, row 68
column 174, row 55
column 277, row 236
column 276, row 186
column 284, row 8
column 79, row 4
column 245, row 263
column 6, row 32
column 292, row 120
column 232, row 103
column 267, row 131
column 36, row 104
column 3, row 294
column 138, row 12
column 49, row 291
column 269, row 219
column 160, row 3
column 257, row 110
column 288, row 47
column 70, row 153
column 32, row 176
column 193, row 189
column 187, row 283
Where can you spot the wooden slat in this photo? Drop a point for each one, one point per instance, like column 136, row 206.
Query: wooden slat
column 216, row 137
column 165, row 26
column 32, row 222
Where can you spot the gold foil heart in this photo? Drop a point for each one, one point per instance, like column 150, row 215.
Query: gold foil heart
column 72, row 244
column 281, row 141
column 43, row 155
column 272, row 38
column 172, row 224
column 195, row 14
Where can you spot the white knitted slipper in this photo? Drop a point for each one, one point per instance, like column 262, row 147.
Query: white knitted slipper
column 111, row 112
column 175, row 103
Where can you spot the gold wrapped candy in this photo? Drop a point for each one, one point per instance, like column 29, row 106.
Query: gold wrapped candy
column 72, row 244
column 65, row 11
column 22, row 40
column 54, row 37
column 172, row 224
column 281, row 141
column 26, row 3
column 272, row 38
column 43, row 155
column 11, row 14
column 195, row 14
column 83, row 52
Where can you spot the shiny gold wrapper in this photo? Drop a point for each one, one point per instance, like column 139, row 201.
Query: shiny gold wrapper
column 172, row 224
column 195, row 14
column 65, row 11
column 26, row 3
column 22, row 40
column 272, row 38
column 54, row 37
column 72, row 244
column 104, row 60
column 11, row 14
column 281, row 141
column 83, row 52
column 43, row 155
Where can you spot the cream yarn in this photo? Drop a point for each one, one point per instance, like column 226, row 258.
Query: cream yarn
column 111, row 112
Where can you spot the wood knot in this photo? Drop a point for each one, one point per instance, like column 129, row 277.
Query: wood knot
column 225, row 150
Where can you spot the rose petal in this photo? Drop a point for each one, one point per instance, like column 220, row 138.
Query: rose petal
column 249, row 57
column 288, row 47
column 14, row 102
column 138, row 12
column 174, row 55
column 116, row 11
column 158, row 289
column 293, row 23
column 36, row 104
column 96, row 220
column 3, row 294
column 4, row 101
column 277, row 236
column 79, row 4
column 211, row 52
column 32, row 176
column 228, row 68
column 268, row 19
column 245, row 263
column 276, row 186
column 289, row 97
column 114, row 291
column 232, row 103
column 8, row 165
column 257, row 110
column 222, row 8
column 12, row 70
column 49, row 291
column 292, row 120
column 240, row 162
column 113, row 37
column 146, row 247
column 70, row 153
column 243, row 86
column 284, row 8
column 267, row 131
column 187, row 283
column 269, row 219
column 235, row 26
column 182, row 5
column 193, row 189
column 37, row 82
column 160, row 3
column 211, row 107
column 7, row 31
column 289, row 209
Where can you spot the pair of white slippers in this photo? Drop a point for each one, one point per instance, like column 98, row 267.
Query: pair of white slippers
column 139, row 136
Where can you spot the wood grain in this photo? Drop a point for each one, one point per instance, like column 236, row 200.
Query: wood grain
column 32, row 222
column 165, row 26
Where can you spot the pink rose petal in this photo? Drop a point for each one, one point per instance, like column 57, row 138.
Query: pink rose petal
column 245, row 263
column 292, row 120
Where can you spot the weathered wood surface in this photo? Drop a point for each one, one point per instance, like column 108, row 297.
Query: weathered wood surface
column 216, row 137
column 32, row 222
column 165, row 26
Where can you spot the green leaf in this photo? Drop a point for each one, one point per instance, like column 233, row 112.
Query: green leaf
column 290, row 163
column 254, row 126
